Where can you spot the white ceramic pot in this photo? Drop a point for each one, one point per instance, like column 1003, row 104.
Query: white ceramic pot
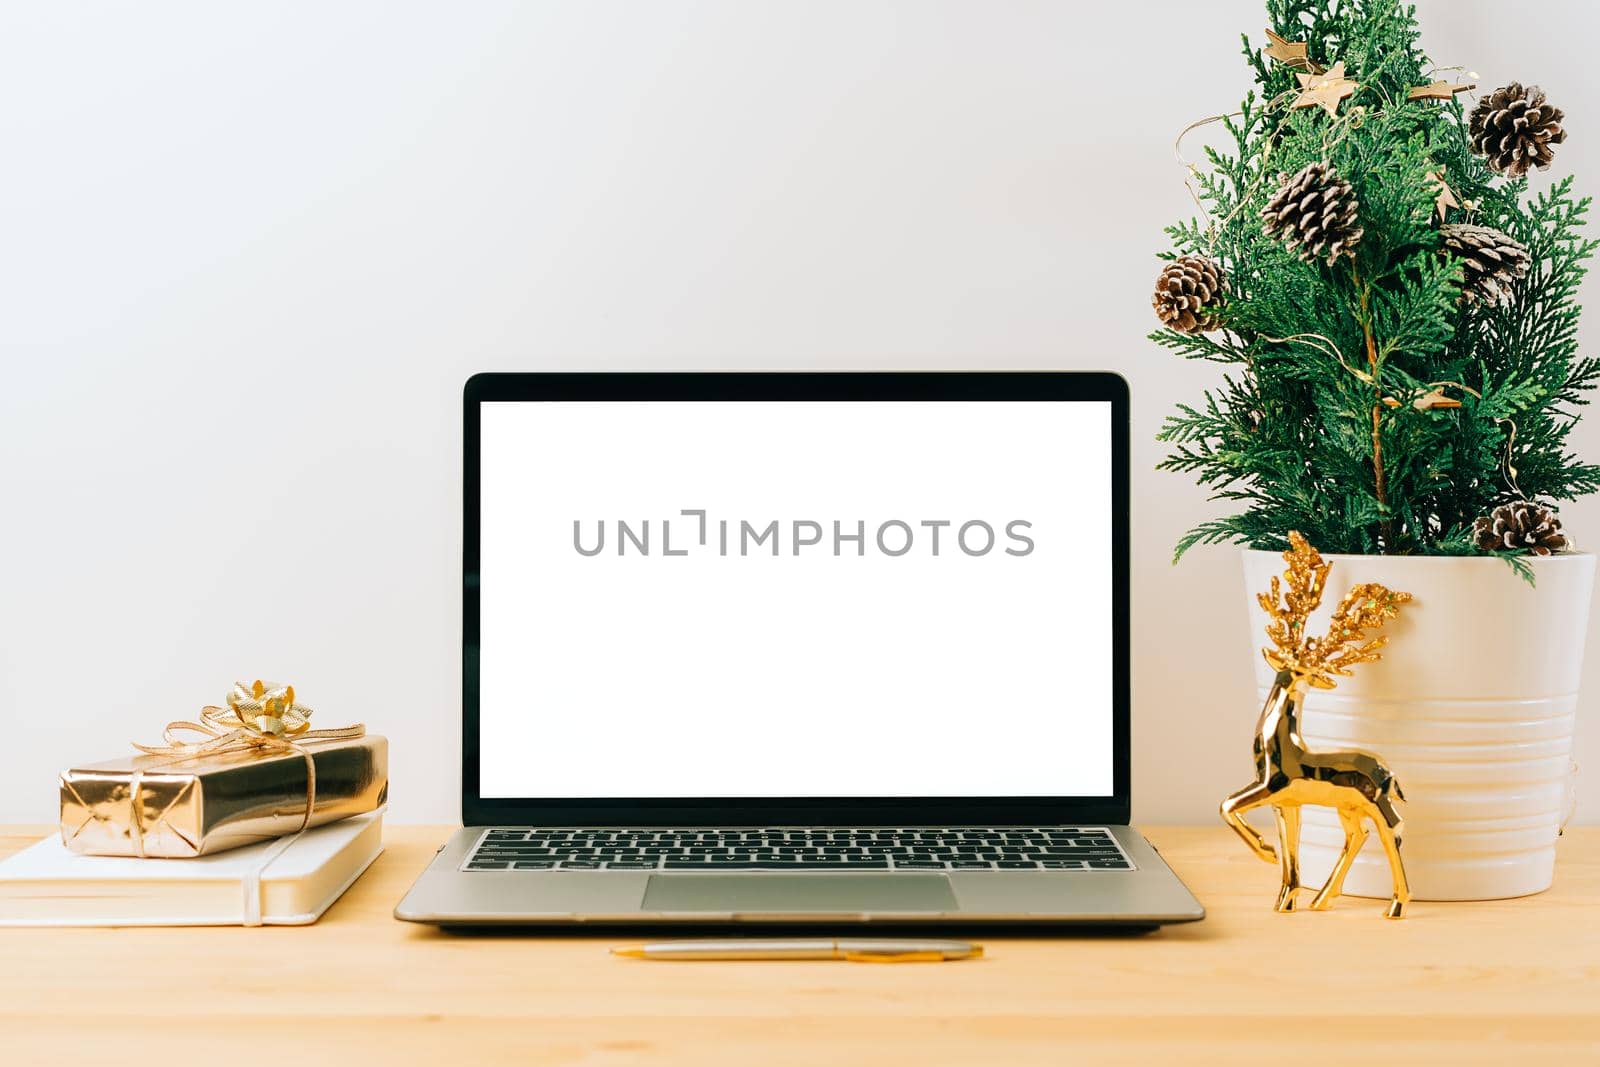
column 1472, row 707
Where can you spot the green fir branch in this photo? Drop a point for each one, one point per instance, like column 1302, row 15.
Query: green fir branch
column 1287, row 440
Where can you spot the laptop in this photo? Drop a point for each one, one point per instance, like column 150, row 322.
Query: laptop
column 797, row 648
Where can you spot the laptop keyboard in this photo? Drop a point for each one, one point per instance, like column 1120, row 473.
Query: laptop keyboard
column 1048, row 848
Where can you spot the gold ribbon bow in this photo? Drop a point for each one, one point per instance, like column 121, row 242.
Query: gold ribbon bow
column 259, row 717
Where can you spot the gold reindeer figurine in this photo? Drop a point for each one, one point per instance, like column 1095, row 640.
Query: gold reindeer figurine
column 1289, row 776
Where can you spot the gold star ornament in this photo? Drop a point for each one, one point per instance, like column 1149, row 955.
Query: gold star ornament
column 1291, row 54
column 1325, row 90
column 1444, row 198
column 1440, row 90
column 1431, row 400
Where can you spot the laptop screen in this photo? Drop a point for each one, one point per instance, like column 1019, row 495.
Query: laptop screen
column 795, row 599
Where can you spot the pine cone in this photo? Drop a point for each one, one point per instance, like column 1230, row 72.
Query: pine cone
column 1314, row 212
column 1491, row 261
column 1518, row 525
column 1513, row 128
column 1188, row 292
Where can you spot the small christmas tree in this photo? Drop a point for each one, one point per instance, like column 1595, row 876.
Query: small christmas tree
column 1398, row 314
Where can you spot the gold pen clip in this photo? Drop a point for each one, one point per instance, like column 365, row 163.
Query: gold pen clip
column 896, row 957
column 908, row 957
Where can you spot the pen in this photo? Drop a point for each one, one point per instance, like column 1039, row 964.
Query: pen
column 854, row 949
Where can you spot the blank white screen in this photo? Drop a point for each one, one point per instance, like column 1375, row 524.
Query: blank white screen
column 817, row 671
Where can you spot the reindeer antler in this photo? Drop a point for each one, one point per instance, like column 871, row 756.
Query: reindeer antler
column 1365, row 607
column 1306, row 576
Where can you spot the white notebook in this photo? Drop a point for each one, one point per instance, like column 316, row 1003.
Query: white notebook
column 284, row 882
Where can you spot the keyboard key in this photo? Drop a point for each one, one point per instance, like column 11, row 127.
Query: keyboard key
column 1012, row 865
column 760, row 865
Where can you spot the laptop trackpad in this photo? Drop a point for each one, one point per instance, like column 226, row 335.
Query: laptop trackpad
column 796, row 893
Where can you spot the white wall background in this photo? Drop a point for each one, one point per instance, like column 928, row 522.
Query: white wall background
column 248, row 254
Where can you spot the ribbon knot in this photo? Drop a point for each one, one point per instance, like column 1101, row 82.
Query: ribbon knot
column 269, row 709
column 260, row 715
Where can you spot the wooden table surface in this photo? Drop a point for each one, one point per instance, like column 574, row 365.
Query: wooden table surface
column 1456, row 983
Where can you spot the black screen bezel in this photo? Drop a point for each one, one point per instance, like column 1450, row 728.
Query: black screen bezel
column 477, row 810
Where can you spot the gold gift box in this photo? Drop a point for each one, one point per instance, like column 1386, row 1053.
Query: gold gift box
column 176, row 808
